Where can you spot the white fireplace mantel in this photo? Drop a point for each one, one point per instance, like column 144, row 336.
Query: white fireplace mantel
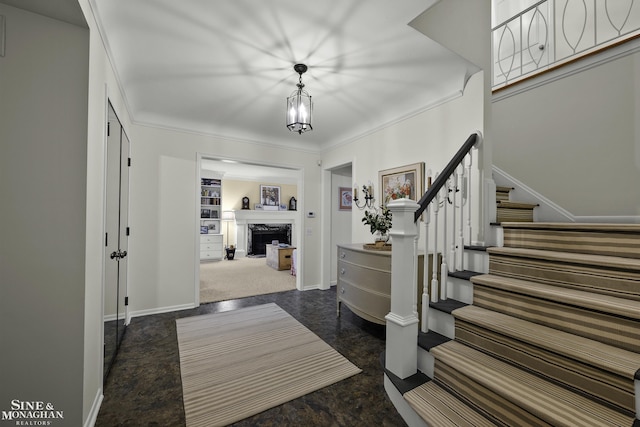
column 246, row 217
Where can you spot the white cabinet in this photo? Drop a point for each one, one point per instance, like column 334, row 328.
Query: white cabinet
column 211, row 243
column 210, row 247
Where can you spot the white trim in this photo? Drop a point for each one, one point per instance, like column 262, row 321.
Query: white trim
column 160, row 310
column 547, row 209
column 92, row 417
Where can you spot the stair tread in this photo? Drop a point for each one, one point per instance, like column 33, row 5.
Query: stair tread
column 545, row 400
column 441, row 408
column 570, row 257
column 447, row 305
column 589, row 300
column 503, row 189
column 515, row 205
column 431, row 339
column 464, row 274
column 570, row 226
column 609, row 358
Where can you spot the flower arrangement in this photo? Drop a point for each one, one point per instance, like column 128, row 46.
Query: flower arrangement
column 378, row 221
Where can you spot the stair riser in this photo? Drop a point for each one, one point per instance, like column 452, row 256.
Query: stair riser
column 442, row 323
column 612, row 282
column 588, row 242
column 425, row 362
column 607, row 328
column 460, row 290
column 514, row 215
column 603, row 386
column 476, row 261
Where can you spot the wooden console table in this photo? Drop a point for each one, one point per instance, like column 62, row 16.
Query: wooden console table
column 279, row 258
column 364, row 281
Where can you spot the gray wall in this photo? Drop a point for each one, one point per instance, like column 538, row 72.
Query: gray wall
column 43, row 157
column 576, row 140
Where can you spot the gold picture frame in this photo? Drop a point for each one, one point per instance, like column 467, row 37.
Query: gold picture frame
column 402, row 182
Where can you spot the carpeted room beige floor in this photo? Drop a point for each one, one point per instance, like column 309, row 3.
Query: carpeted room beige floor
column 240, row 278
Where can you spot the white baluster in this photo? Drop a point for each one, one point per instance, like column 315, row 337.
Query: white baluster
column 434, row 276
column 469, row 197
column 444, row 270
column 460, row 247
column 425, row 279
column 452, row 255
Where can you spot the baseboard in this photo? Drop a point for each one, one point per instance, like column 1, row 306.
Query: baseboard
column 159, row 310
column 547, row 211
column 95, row 408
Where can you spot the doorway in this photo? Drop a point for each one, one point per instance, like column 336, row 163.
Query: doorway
column 240, row 190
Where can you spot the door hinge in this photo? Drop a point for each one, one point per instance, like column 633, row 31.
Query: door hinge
column 126, row 300
column 128, row 231
column 108, row 128
column 106, row 239
column 129, row 161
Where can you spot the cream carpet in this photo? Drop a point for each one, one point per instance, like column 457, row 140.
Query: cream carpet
column 239, row 363
column 240, row 278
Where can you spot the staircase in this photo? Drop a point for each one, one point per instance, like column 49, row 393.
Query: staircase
column 552, row 336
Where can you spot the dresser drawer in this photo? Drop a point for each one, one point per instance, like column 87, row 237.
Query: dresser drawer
column 373, row 279
column 211, row 238
column 210, row 247
column 211, row 254
column 373, row 259
column 369, row 305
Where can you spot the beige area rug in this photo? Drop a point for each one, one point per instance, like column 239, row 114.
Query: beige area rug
column 239, row 363
column 240, row 278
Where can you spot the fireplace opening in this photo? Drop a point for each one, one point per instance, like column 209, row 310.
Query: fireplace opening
column 261, row 235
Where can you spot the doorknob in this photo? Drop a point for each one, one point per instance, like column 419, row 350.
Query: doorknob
column 118, row 255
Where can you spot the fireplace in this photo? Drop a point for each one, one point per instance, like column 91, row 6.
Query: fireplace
column 260, row 235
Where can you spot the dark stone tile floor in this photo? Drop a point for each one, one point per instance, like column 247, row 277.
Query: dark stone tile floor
column 144, row 386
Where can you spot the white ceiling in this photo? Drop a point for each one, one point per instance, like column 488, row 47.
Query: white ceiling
column 225, row 67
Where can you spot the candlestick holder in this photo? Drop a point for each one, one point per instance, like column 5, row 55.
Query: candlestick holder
column 368, row 202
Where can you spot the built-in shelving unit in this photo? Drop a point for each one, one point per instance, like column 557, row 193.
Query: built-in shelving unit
column 210, row 219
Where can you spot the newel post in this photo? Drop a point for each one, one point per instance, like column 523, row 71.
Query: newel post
column 402, row 322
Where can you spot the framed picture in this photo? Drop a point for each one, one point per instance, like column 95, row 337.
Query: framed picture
column 345, row 196
column 270, row 195
column 405, row 182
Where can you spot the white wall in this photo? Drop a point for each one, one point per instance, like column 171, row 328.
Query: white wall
column 576, row 140
column 43, row 169
column 432, row 137
column 340, row 221
column 163, row 211
column 103, row 86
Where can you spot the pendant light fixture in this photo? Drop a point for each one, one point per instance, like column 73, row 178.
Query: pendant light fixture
column 299, row 105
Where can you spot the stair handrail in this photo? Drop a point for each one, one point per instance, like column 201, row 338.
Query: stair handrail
column 442, row 178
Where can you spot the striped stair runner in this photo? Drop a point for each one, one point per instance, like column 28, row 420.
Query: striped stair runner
column 553, row 335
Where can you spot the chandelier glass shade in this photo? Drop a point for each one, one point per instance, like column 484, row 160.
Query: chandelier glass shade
column 299, row 105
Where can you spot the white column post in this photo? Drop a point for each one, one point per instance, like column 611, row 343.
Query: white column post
column 402, row 321
column 460, row 246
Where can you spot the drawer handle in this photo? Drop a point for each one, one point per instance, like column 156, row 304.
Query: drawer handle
column 342, row 254
column 342, row 271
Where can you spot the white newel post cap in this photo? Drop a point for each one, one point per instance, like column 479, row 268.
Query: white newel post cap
column 403, row 211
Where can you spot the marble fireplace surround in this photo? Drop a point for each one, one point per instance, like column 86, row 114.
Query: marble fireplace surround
column 246, row 217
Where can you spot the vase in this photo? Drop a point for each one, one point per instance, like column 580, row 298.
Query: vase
column 381, row 237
